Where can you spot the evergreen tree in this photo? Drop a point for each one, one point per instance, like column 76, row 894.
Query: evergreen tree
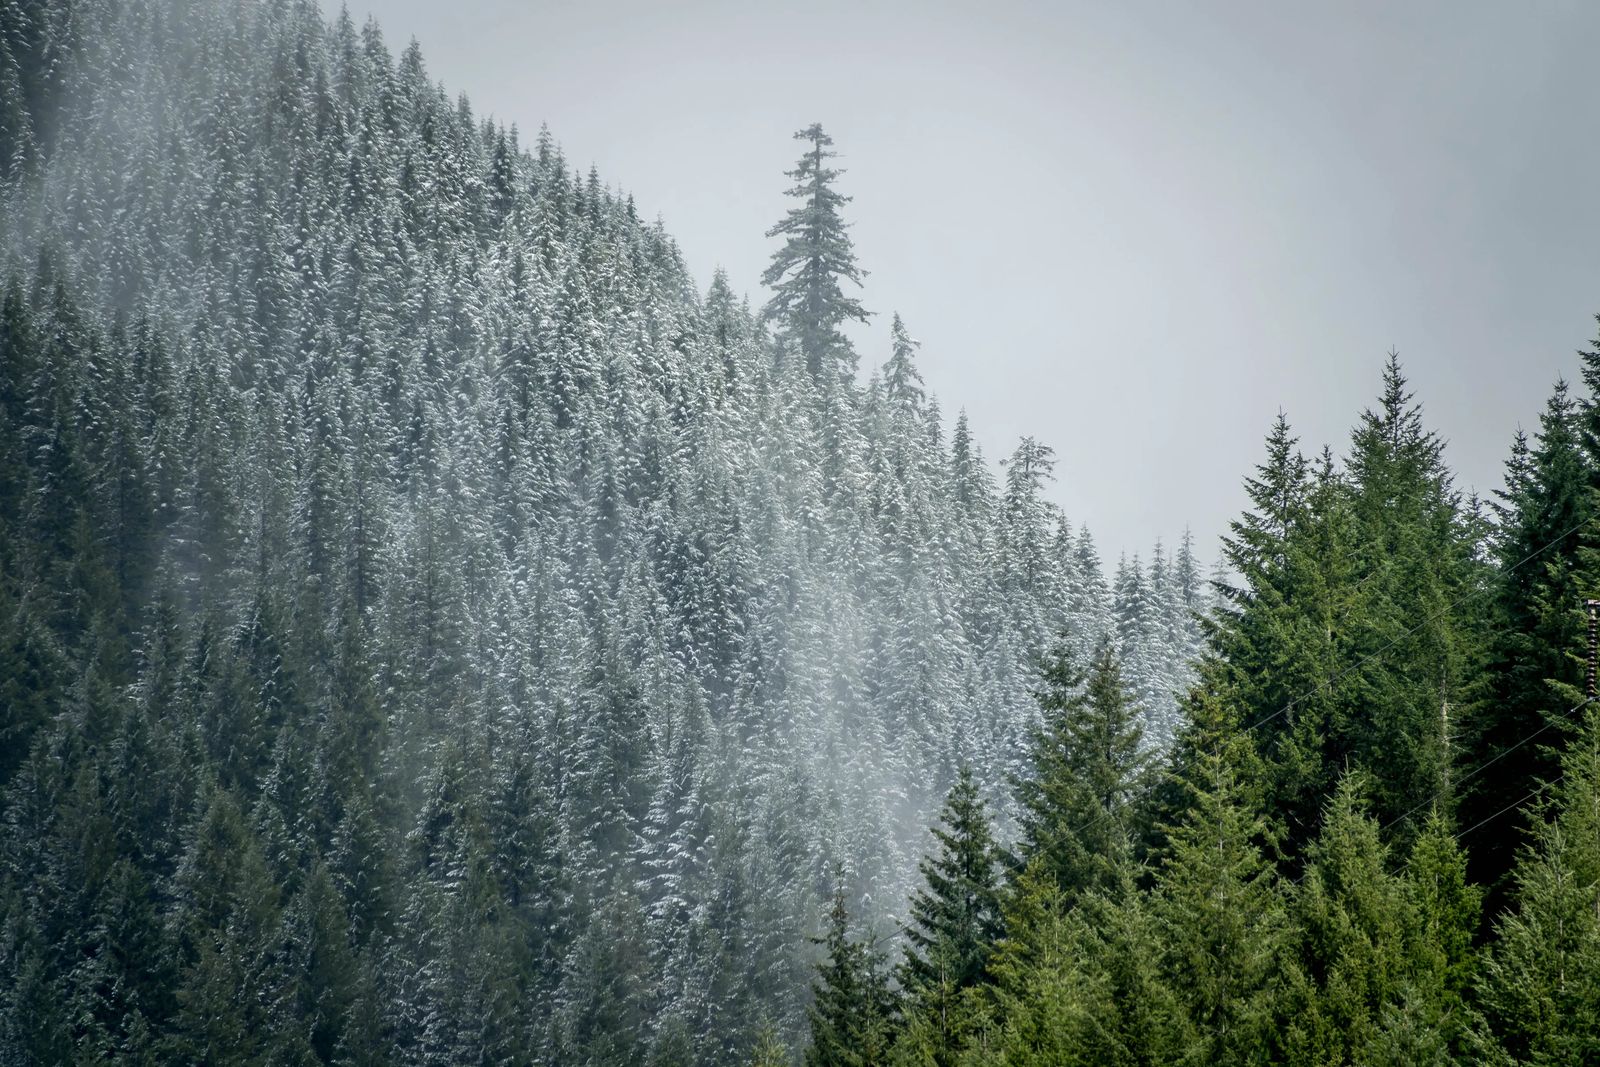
column 1430, row 1021
column 1531, row 672
column 1269, row 655
column 1539, row 991
column 1417, row 602
column 1219, row 915
column 853, row 1011
column 416, row 603
column 1347, row 948
column 955, row 922
column 1078, row 802
column 817, row 255
column 1079, row 984
column 233, row 997
column 769, row 1050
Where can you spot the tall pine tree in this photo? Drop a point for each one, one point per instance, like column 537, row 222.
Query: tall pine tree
column 808, row 300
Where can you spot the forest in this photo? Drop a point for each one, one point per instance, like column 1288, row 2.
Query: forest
column 433, row 630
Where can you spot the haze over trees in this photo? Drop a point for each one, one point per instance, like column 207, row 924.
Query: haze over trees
column 433, row 631
column 430, row 628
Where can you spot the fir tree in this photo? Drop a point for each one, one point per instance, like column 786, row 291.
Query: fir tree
column 955, row 922
column 1531, row 672
column 817, row 255
column 1539, row 991
column 853, row 1011
column 1430, row 1021
column 1416, row 554
column 1219, row 915
column 1078, row 801
column 1348, row 950
column 769, row 1050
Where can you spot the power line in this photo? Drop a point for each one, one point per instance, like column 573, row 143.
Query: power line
column 1512, row 806
column 1480, row 768
column 1424, row 621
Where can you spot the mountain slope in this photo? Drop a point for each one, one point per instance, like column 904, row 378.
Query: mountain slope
column 433, row 616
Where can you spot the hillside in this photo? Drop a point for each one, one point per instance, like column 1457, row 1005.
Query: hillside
column 430, row 629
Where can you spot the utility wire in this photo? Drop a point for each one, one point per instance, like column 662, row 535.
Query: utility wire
column 1480, row 768
column 1424, row 621
column 1513, row 806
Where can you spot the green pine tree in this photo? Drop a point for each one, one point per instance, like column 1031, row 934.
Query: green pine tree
column 853, row 1010
column 1078, row 985
column 234, row 999
column 1415, row 618
column 769, row 1051
column 1088, row 772
column 1538, row 625
column 1219, row 914
column 955, row 922
column 1347, row 954
column 1539, row 992
column 805, row 274
column 1428, row 1022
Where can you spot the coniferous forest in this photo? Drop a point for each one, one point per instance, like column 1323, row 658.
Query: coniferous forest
column 432, row 630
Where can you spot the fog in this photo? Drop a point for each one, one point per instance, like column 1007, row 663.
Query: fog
column 1136, row 231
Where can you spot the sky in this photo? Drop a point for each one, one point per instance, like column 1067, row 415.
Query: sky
column 1135, row 231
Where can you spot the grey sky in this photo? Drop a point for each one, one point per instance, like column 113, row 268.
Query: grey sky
column 1133, row 230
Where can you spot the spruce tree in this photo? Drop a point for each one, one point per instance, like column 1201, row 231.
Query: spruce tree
column 955, row 921
column 769, row 1050
column 808, row 300
column 1430, row 1021
column 1346, row 957
column 1088, row 769
column 1270, row 653
column 1532, row 673
column 1219, row 914
column 234, row 996
column 1079, row 983
column 853, row 1010
column 1415, row 616
column 1539, row 992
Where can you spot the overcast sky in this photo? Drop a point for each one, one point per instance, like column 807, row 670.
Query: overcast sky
column 1135, row 231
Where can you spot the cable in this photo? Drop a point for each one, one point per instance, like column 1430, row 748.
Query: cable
column 1426, row 619
column 1480, row 768
column 1458, row 835
column 1512, row 806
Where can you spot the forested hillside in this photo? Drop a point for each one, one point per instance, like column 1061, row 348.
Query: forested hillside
column 432, row 630
column 1377, row 840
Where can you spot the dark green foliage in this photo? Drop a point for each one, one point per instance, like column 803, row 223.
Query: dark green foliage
column 955, row 917
column 1088, row 771
column 430, row 632
column 1431, row 1021
column 1347, row 961
column 1353, row 635
column 1415, row 615
column 955, row 922
column 1539, row 990
column 1078, row 985
column 853, row 1011
column 1219, row 916
column 1532, row 672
